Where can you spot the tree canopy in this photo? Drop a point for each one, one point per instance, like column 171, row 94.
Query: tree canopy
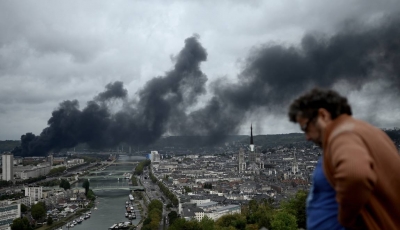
column 283, row 221
column 65, row 184
column 21, row 224
column 172, row 216
column 38, row 211
column 86, row 185
column 296, row 206
column 255, row 215
column 49, row 220
column 154, row 216
column 24, row 208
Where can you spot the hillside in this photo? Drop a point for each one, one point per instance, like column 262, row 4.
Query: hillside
column 8, row 145
column 274, row 140
column 202, row 142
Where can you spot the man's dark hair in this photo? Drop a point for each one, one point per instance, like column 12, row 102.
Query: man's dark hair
column 307, row 105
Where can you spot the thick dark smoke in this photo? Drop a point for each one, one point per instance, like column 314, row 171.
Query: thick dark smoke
column 275, row 74
column 272, row 77
column 114, row 90
column 138, row 123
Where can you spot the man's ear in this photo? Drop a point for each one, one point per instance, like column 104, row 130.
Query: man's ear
column 324, row 114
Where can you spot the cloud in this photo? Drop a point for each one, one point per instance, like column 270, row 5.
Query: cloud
column 56, row 51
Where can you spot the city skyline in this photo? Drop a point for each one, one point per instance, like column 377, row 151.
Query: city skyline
column 53, row 52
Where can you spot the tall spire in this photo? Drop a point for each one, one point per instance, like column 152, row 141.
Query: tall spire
column 251, row 134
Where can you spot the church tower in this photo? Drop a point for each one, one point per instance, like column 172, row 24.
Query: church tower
column 242, row 162
column 252, row 154
column 295, row 165
column 251, row 138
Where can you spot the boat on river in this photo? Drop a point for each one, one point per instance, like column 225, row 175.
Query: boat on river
column 121, row 225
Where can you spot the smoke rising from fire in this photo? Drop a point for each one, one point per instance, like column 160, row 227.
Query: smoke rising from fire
column 272, row 76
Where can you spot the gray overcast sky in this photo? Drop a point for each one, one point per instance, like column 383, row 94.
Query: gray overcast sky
column 51, row 51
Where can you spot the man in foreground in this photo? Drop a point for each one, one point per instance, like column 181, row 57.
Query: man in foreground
column 360, row 161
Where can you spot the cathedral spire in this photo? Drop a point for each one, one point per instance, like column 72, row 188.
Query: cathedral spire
column 251, row 134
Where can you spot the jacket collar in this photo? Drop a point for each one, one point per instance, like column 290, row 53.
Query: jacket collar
column 330, row 129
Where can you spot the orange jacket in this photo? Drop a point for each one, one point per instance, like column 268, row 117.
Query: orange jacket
column 363, row 166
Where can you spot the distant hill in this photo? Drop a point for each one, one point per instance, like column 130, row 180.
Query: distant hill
column 203, row 142
column 194, row 141
column 8, row 145
column 274, row 140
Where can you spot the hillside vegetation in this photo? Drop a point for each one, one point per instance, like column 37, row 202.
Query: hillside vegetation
column 192, row 142
column 8, row 145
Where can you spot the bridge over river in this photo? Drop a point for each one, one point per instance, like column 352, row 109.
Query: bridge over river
column 114, row 175
column 120, row 162
column 116, row 187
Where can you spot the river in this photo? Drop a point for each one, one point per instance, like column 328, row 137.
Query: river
column 110, row 207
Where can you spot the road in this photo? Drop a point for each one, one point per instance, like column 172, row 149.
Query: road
column 153, row 192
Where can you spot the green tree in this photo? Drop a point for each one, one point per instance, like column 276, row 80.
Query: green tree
column 187, row 189
column 134, row 181
column 181, row 223
column 56, row 171
column 236, row 220
column 24, row 208
column 147, row 221
column 283, row 221
column 49, row 221
column 252, row 227
column 38, row 211
column 207, row 223
column 21, row 224
column 65, row 184
column 86, row 185
column 139, row 168
column 90, row 195
column 155, row 204
column 4, row 183
column 297, row 207
column 172, row 216
column 154, row 215
column 258, row 213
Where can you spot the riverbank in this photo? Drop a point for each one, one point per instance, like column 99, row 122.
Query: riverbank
column 67, row 219
column 141, row 203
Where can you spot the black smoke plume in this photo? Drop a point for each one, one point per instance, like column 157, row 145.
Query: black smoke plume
column 272, row 76
column 275, row 74
column 113, row 90
column 138, row 123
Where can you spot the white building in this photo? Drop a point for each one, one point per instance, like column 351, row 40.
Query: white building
column 154, row 156
column 38, row 171
column 35, row 194
column 8, row 166
column 215, row 212
column 18, row 160
column 223, row 210
column 8, row 212
column 199, row 201
column 50, row 159
column 75, row 161
column 24, row 200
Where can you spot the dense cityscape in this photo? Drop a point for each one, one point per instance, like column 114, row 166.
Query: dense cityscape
column 199, row 115
column 59, row 191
